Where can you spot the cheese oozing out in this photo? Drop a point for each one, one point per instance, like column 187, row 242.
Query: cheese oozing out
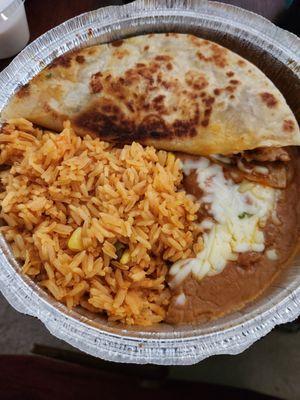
column 238, row 212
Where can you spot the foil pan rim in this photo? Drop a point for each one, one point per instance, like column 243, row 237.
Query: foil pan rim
column 128, row 346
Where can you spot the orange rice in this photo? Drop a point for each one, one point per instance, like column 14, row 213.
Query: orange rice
column 122, row 207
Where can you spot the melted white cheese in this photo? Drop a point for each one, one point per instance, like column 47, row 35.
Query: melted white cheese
column 238, row 211
column 181, row 299
column 261, row 170
column 272, row 254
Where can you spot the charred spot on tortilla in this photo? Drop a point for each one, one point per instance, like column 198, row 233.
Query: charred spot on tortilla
column 288, row 125
column 218, row 57
column 129, row 105
column 163, row 58
column 110, row 123
column 91, row 51
column 208, row 101
column 117, row 43
column 230, row 89
column 62, row 61
column 107, row 121
column 269, row 99
column 158, row 104
column 95, row 83
column 205, row 122
column 65, row 60
column 196, row 80
column 241, row 63
column 80, row 59
column 24, row 91
column 152, row 126
column 230, row 74
column 120, row 53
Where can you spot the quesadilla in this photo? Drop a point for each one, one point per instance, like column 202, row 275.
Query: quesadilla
column 174, row 91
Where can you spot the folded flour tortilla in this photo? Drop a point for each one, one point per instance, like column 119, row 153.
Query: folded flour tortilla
column 174, row 91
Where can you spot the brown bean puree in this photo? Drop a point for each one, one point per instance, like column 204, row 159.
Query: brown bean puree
column 245, row 279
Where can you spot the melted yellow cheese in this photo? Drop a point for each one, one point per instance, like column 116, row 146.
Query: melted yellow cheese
column 238, row 212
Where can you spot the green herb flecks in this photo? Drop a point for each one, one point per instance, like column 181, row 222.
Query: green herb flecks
column 245, row 215
column 120, row 248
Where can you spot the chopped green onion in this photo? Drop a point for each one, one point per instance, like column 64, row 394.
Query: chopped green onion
column 120, row 248
column 245, row 214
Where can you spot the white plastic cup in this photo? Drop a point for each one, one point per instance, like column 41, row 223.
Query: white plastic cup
column 14, row 32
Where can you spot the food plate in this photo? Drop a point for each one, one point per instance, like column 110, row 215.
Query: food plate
column 274, row 51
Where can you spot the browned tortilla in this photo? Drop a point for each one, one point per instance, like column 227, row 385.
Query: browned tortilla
column 174, row 91
column 244, row 280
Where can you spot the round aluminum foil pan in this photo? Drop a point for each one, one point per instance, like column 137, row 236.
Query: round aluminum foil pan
column 277, row 53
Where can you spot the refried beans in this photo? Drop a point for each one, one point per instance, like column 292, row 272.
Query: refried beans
column 245, row 279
